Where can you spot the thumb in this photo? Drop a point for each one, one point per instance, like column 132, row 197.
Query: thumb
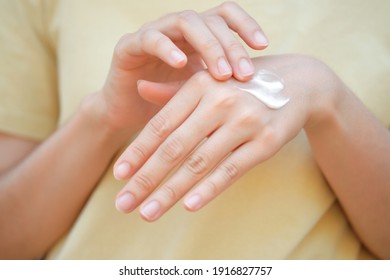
column 158, row 93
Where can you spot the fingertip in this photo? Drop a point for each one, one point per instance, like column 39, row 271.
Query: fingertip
column 260, row 40
column 151, row 211
column 125, row 202
column 245, row 70
column 193, row 203
column 178, row 58
column 224, row 69
column 122, row 171
column 139, row 83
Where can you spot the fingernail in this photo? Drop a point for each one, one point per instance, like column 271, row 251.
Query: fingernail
column 194, row 202
column 246, row 68
column 125, row 202
column 151, row 210
column 223, row 67
column 177, row 56
column 260, row 39
column 122, row 170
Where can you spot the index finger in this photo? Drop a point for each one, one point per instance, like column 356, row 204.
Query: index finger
column 156, row 131
column 242, row 23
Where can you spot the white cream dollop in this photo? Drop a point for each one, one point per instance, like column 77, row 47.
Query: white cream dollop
column 267, row 87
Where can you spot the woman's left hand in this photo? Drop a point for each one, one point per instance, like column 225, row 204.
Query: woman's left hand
column 213, row 133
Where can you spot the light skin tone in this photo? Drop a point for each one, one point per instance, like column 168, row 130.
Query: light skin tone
column 331, row 116
column 107, row 119
column 215, row 133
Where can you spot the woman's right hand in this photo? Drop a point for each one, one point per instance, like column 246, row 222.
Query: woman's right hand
column 172, row 49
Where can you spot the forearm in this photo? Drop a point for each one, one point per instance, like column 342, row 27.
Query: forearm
column 350, row 145
column 352, row 148
column 41, row 197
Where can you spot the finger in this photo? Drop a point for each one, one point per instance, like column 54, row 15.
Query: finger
column 156, row 131
column 241, row 22
column 170, row 153
column 195, row 167
column 200, row 37
column 157, row 40
column 131, row 50
column 158, row 93
column 152, row 41
column 238, row 57
column 232, row 168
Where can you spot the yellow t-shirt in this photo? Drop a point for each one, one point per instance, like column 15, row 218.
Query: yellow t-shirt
column 53, row 53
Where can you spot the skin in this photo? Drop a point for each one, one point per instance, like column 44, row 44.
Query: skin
column 330, row 114
column 188, row 131
column 106, row 120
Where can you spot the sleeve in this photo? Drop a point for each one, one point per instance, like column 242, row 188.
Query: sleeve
column 28, row 85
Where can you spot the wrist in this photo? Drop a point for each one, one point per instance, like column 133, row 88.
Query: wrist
column 314, row 90
column 328, row 94
column 94, row 110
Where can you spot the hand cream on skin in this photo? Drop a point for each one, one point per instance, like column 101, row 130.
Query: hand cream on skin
column 266, row 86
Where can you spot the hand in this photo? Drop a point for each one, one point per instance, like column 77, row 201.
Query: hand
column 213, row 133
column 173, row 48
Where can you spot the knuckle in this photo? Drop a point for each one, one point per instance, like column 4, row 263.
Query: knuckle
column 143, row 182
column 270, row 137
column 120, row 50
column 225, row 100
column 235, row 46
column 170, row 192
column 172, row 149
column 229, row 171
column 247, row 118
column 153, row 38
column 145, row 35
column 228, row 6
column 186, row 17
column 213, row 188
column 139, row 151
column 202, row 79
column 159, row 125
column 210, row 45
column 196, row 164
column 213, row 19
